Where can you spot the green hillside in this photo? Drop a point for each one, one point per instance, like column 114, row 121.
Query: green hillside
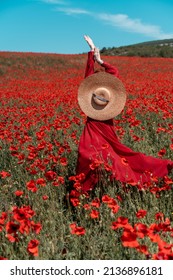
column 158, row 48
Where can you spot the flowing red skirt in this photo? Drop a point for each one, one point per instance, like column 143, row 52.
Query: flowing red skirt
column 99, row 144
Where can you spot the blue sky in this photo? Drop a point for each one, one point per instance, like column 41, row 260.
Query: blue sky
column 58, row 26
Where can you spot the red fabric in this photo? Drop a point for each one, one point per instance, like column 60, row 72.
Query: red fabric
column 99, row 142
column 90, row 66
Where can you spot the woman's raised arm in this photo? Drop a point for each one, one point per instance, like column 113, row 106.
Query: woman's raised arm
column 89, row 70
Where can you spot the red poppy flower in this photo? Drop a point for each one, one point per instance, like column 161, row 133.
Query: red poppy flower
column 78, row 178
column 3, row 217
column 129, row 239
column 162, row 256
column 25, row 227
column 119, row 198
column 106, row 198
column 19, row 193
column 59, row 181
column 12, row 238
column 23, row 213
column 40, row 135
column 41, row 146
column 77, row 186
column 41, row 182
column 112, row 202
column 122, row 222
column 94, row 214
column 107, row 167
column 81, row 177
column 141, row 230
column 19, row 214
column 143, row 249
column 32, row 247
column 31, row 156
column 162, row 152
column 63, row 161
column 31, row 186
column 168, row 180
column 165, row 247
column 87, row 207
column 136, row 138
column 11, row 227
column 154, row 228
column 77, row 230
column 2, row 258
column 141, row 214
column 75, row 201
column 155, row 237
column 73, row 226
column 50, row 175
column 95, row 164
column 4, row 174
column 74, row 194
column 115, row 208
column 45, row 197
column 159, row 216
column 96, row 203
column 36, row 227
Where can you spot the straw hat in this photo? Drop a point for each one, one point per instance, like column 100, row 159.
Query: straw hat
column 101, row 96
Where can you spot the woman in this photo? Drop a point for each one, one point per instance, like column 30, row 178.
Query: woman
column 99, row 146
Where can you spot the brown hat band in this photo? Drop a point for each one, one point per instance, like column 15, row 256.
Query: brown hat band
column 100, row 98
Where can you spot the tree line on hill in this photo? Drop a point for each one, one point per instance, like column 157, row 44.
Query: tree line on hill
column 159, row 48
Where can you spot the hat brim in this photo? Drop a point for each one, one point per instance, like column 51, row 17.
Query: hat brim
column 117, row 96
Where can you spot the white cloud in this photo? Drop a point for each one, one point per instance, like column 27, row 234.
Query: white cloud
column 122, row 21
column 75, row 11
column 53, row 1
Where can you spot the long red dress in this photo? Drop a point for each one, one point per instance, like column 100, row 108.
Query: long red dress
column 99, row 145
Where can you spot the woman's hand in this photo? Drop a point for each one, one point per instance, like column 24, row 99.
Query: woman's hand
column 90, row 42
column 97, row 56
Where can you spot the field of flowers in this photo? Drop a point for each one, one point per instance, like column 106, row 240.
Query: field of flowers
column 40, row 127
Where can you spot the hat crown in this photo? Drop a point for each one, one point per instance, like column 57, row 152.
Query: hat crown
column 101, row 96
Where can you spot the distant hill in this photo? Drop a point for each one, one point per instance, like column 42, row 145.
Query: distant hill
column 157, row 48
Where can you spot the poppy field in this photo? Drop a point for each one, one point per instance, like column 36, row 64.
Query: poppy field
column 42, row 214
